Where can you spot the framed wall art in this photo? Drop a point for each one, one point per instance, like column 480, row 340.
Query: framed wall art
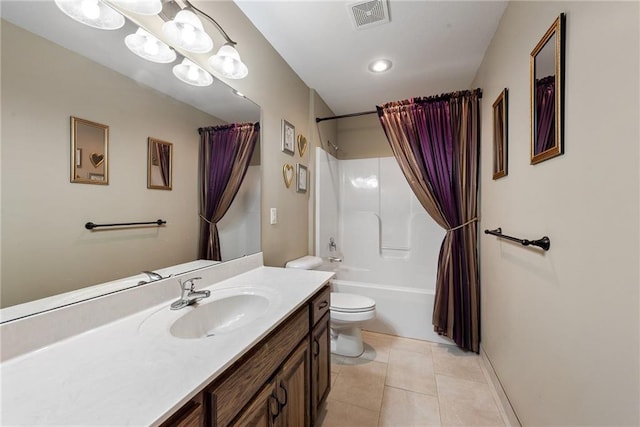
column 500, row 135
column 301, row 178
column 288, row 137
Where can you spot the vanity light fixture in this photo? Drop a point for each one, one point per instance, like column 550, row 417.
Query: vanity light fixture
column 141, row 7
column 93, row 13
column 185, row 31
column 192, row 74
column 227, row 62
column 150, row 48
column 380, row 66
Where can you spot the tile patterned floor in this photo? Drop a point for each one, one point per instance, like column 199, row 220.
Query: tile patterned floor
column 400, row 382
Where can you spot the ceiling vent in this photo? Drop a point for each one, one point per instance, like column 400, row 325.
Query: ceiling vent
column 366, row 14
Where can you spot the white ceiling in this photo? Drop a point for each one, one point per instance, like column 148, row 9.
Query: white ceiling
column 435, row 46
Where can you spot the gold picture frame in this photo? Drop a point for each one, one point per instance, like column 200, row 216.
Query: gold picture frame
column 159, row 164
column 500, row 135
column 547, row 94
column 89, row 139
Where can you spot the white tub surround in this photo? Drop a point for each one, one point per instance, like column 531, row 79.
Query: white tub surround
column 130, row 371
column 387, row 242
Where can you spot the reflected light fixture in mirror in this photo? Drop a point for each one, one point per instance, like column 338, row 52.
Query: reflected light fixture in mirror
column 141, row 7
column 150, row 48
column 93, row 13
column 192, row 74
column 185, row 31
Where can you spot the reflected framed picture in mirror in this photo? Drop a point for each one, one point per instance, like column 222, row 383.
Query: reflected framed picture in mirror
column 500, row 135
column 547, row 94
column 159, row 164
column 89, row 152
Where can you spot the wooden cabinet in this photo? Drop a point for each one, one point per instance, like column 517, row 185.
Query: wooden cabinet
column 262, row 410
column 292, row 389
column 280, row 382
column 192, row 414
column 320, row 352
column 284, row 401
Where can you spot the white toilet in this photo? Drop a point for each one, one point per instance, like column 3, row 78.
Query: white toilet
column 347, row 313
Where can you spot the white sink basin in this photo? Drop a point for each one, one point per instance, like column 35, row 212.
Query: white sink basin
column 220, row 316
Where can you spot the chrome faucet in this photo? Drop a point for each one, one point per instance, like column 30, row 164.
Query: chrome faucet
column 332, row 244
column 152, row 277
column 188, row 294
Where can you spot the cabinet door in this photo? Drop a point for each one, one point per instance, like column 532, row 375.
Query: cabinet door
column 292, row 388
column 190, row 415
column 320, row 365
column 262, row 411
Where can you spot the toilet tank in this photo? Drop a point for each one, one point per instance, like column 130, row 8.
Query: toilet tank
column 308, row 262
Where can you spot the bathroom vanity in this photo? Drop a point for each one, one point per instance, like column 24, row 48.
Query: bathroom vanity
column 141, row 369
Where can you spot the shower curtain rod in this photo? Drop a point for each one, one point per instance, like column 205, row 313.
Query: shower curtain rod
column 344, row 116
column 364, row 113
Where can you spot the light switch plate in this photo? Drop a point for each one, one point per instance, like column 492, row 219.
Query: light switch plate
column 274, row 216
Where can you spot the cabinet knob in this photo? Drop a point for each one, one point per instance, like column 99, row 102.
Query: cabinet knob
column 316, row 347
column 274, row 403
column 323, row 304
column 286, row 396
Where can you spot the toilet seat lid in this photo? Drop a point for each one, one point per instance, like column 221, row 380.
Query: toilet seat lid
column 351, row 303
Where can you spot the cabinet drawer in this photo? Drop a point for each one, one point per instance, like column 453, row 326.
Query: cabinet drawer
column 250, row 373
column 320, row 304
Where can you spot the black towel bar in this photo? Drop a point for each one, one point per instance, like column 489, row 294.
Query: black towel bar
column 91, row 225
column 544, row 242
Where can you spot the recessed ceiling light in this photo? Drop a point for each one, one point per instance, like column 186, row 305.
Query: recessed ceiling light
column 380, row 66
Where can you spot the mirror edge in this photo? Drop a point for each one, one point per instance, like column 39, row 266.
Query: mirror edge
column 557, row 28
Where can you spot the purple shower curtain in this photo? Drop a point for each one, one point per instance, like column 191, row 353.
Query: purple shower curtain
column 435, row 141
column 545, row 114
column 225, row 153
column 164, row 161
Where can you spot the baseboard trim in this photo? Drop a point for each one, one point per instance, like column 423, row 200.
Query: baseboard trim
column 504, row 406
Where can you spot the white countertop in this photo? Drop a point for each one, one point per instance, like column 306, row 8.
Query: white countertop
column 133, row 371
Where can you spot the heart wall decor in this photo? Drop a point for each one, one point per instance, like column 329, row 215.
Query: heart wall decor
column 287, row 174
column 302, row 145
column 96, row 159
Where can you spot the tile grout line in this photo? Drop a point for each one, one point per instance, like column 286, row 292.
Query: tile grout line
column 435, row 379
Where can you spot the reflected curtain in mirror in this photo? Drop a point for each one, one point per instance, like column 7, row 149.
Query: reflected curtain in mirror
column 547, row 94
column 89, row 152
column 159, row 164
column 435, row 141
column 225, row 153
column 500, row 135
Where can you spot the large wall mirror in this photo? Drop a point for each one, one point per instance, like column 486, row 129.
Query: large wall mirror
column 91, row 75
column 547, row 94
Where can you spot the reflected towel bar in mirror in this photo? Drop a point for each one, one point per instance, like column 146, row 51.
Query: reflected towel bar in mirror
column 544, row 242
column 91, row 225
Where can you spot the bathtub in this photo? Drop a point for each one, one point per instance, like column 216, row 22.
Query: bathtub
column 401, row 311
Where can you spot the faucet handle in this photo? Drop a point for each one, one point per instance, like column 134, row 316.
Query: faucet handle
column 188, row 283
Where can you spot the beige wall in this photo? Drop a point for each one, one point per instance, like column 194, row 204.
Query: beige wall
column 46, row 249
column 362, row 137
column 561, row 328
